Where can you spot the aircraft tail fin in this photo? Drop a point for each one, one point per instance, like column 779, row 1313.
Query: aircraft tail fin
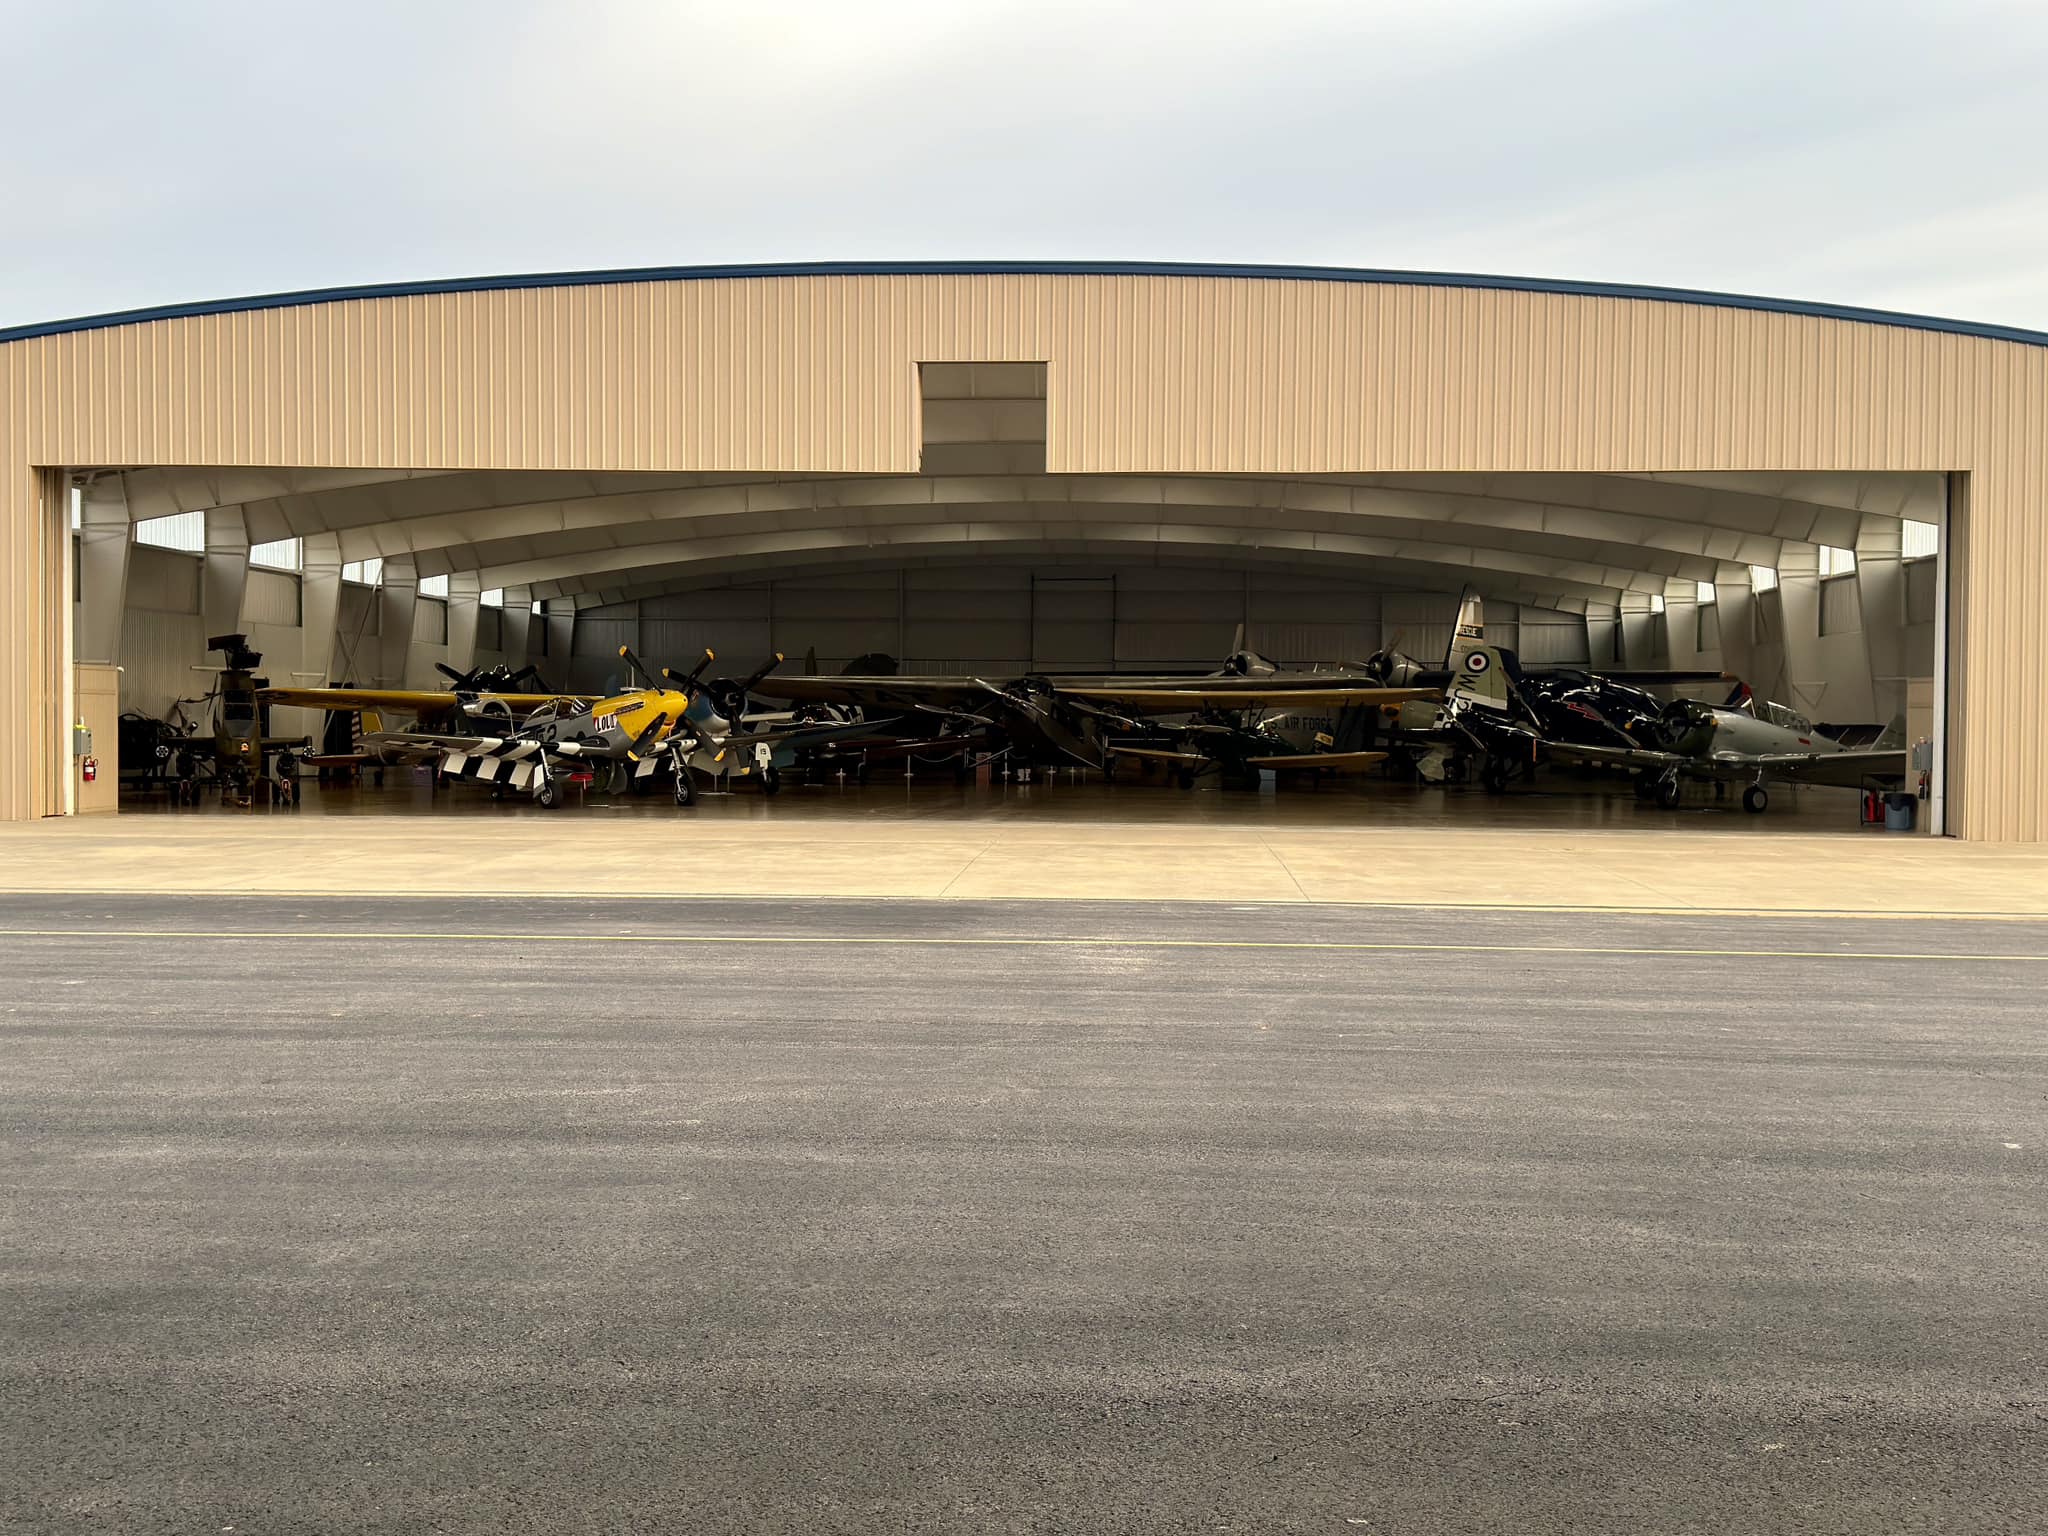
column 1471, row 626
column 1479, row 674
column 1740, row 697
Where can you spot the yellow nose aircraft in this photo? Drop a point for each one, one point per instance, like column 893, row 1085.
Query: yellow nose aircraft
column 640, row 733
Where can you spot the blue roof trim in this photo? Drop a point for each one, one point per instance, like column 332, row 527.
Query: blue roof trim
column 1036, row 269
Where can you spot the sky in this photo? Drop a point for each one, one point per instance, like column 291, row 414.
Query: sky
column 1876, row 153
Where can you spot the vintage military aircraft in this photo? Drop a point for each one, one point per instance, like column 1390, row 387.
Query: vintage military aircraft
column 475, row 695
column 556, row 737
column 498, row 696
column 1565, row 704
column 1744, row 740
column 634, row 735
column 1039, row 720
column 723, row 738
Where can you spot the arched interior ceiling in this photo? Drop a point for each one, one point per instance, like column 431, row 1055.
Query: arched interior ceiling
column 1570, row 541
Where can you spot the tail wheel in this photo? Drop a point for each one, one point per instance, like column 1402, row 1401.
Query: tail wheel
column 1756, row 799
column 686, row 787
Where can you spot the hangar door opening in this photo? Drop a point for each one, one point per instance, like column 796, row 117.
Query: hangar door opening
column 1818, row 601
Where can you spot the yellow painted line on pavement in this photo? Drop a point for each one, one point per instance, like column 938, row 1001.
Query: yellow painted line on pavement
column 912, row 941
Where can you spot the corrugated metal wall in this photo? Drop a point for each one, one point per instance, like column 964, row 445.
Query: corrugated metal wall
column 1146, row 374
column 163, row 637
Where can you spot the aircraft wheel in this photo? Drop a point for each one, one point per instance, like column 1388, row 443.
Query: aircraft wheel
column 547, row 794
column 1756, row 799
column 1185, row 778
column 860, row 774
column 1668, row 791
column 686, row 788
column 1494, row 776
column 641, row 785
column 771, row 781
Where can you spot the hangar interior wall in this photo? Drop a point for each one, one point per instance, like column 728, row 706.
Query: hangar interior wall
column 1007, row 618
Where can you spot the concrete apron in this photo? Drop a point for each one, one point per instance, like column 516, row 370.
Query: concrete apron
column 968, row 857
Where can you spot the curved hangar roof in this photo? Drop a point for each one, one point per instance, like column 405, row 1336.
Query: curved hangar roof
column 1557, row 443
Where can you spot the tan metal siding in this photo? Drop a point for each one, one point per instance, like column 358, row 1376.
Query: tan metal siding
column 1145, row 374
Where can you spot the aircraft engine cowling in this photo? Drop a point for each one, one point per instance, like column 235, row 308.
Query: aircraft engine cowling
column 730, row 699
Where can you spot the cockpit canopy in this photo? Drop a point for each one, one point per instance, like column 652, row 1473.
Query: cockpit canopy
column 1781, row 716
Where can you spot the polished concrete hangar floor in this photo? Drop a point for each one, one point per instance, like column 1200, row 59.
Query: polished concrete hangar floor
column 1565, row 845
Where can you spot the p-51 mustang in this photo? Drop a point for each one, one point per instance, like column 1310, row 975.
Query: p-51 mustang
column 636, row 734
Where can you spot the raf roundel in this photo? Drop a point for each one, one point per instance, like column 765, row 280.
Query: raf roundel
column 1478, row 662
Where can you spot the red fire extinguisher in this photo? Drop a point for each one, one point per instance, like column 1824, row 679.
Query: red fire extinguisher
column 91, row 766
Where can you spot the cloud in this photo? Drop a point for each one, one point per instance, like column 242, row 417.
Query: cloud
column 1858, row 153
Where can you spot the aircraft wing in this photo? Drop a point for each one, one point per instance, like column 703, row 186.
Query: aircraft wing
column 426, row 743
column 1848, row 769
column 799, row 732
column 940, row 693
column 1644, row 679
column 1162, row 755
column 1619, row 757
column 1321, row 762
column 414, row 699
column 1151, row 700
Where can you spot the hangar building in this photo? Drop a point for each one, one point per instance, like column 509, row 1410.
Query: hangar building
column 1006, row 467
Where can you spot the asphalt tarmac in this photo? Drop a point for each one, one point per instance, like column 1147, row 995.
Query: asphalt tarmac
column 560, row 1216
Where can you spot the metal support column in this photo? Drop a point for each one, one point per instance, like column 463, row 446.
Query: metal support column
column 224, row 574
column 397, row 602
column 103, row 545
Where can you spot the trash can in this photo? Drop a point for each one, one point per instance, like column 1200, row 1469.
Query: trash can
column 1898, row 812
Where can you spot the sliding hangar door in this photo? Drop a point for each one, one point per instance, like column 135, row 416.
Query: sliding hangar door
column 1024, row 469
